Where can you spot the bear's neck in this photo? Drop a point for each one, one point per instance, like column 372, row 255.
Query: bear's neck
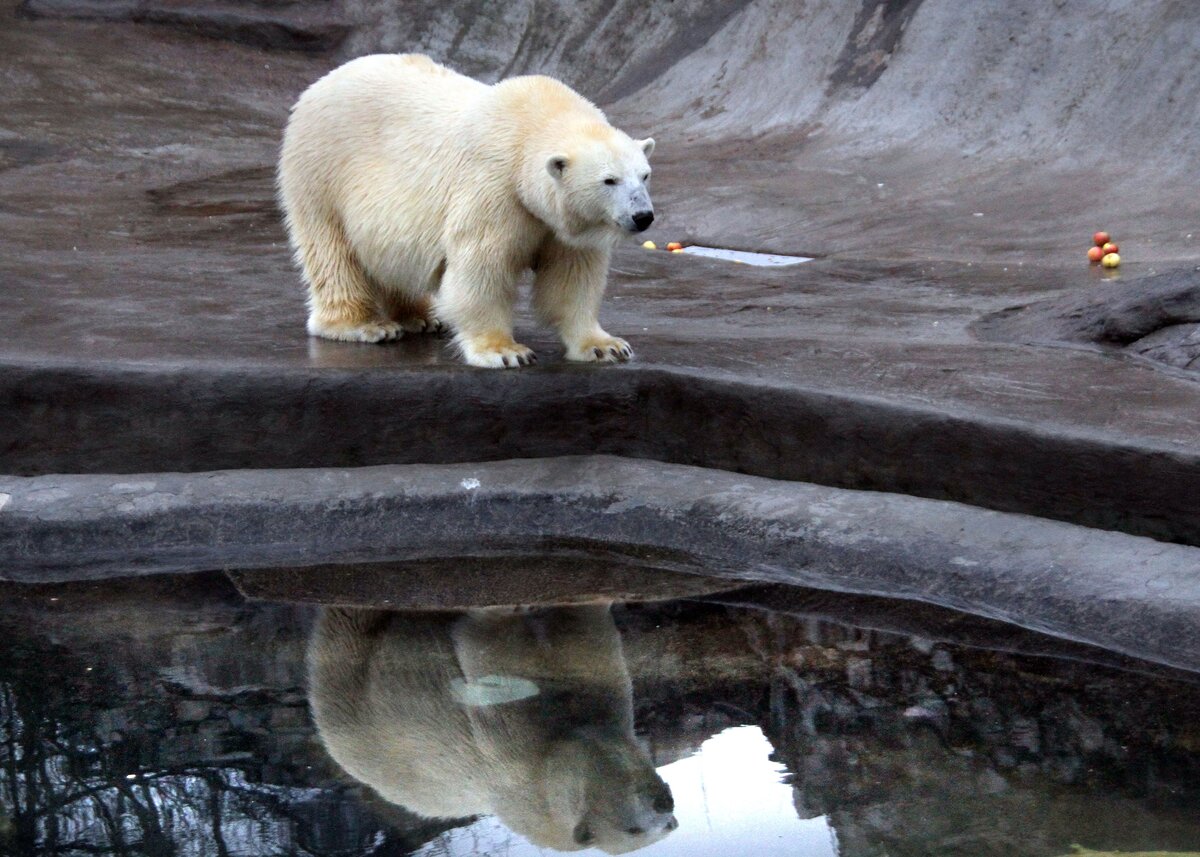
column 540, row 194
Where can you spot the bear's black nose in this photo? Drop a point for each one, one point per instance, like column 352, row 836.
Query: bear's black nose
column 664, row 803
column 642, row 220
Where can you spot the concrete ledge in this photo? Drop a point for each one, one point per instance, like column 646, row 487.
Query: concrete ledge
column 115, row 419
column 1125, row 593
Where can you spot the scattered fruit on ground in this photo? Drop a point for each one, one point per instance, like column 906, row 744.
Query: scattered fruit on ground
column 1095, row 254
column 649, row 245
column 1110, row 247
column 1111, row 260
column 674, row 245
column 1101, row 238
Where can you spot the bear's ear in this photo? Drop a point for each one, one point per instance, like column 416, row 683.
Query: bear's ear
column 556, row 166
column 647, row 146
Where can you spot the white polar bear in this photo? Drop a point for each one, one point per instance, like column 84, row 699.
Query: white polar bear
column 414, row 195
column 527, row 716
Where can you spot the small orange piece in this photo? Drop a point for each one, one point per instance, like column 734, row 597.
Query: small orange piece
column 677, row 250
column 674, row 245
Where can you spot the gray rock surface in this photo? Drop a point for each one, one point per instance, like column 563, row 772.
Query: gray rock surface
column 310, row 25
column 1130, row 594
column 1157, row 317
column 945, row 163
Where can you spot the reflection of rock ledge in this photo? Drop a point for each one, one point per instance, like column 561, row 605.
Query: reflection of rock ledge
column 564, row 576
column 1117, row 591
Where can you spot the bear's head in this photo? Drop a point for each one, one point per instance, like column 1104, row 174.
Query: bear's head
column 597, row 186
column 598, row 790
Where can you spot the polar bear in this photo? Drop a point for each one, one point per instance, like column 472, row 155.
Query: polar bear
column 524, row 715
column 414, row 195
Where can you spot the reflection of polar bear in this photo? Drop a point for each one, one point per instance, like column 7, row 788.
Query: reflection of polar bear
column 524, row 715
column 402, row 180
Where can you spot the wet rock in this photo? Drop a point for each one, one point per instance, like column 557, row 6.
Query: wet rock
column 20, row 152
column 875, row 36
column 192, row 710
column 288, row 718
column 1157, row 317
column 858, row 673
column 1029, row 760
column 1176, row 345
column 302, row 26
column 1024, row 735
column 585, row 43
column 230, row 193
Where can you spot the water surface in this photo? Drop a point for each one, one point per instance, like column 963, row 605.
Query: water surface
column 176, row 717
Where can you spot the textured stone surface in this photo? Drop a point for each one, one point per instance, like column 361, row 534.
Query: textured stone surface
column 313, row 26
column 1157, row 317
column 944, row 164
column 858, row 717
column 1175, row 345
column 1075, row 447
column 1127, row 593
column 150, row 318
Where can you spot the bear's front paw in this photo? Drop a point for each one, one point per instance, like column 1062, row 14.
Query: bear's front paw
column 496, row 352
column 600, row 349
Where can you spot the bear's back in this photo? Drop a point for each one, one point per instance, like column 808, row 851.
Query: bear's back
column 379, row 687
column 382, row 93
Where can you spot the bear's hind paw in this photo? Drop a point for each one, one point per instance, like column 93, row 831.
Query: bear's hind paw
column 422, row 324
column 371, row 331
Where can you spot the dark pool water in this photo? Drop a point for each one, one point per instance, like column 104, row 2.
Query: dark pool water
column 177, row 717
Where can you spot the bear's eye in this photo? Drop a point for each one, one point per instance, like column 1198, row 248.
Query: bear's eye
column 645, row 178
column 610, row 181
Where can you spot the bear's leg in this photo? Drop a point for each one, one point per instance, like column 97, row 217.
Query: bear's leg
column 414, row 314
column 341, row 298
column 566, row 294
column 476, row 299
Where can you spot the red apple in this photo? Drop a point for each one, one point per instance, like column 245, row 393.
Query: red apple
column 1110, row 247
column 674, row 245
column 1095, row 255
column 1101, row 238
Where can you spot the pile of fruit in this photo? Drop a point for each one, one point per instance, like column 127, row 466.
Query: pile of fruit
column 674, row 246
column 1105, row 252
